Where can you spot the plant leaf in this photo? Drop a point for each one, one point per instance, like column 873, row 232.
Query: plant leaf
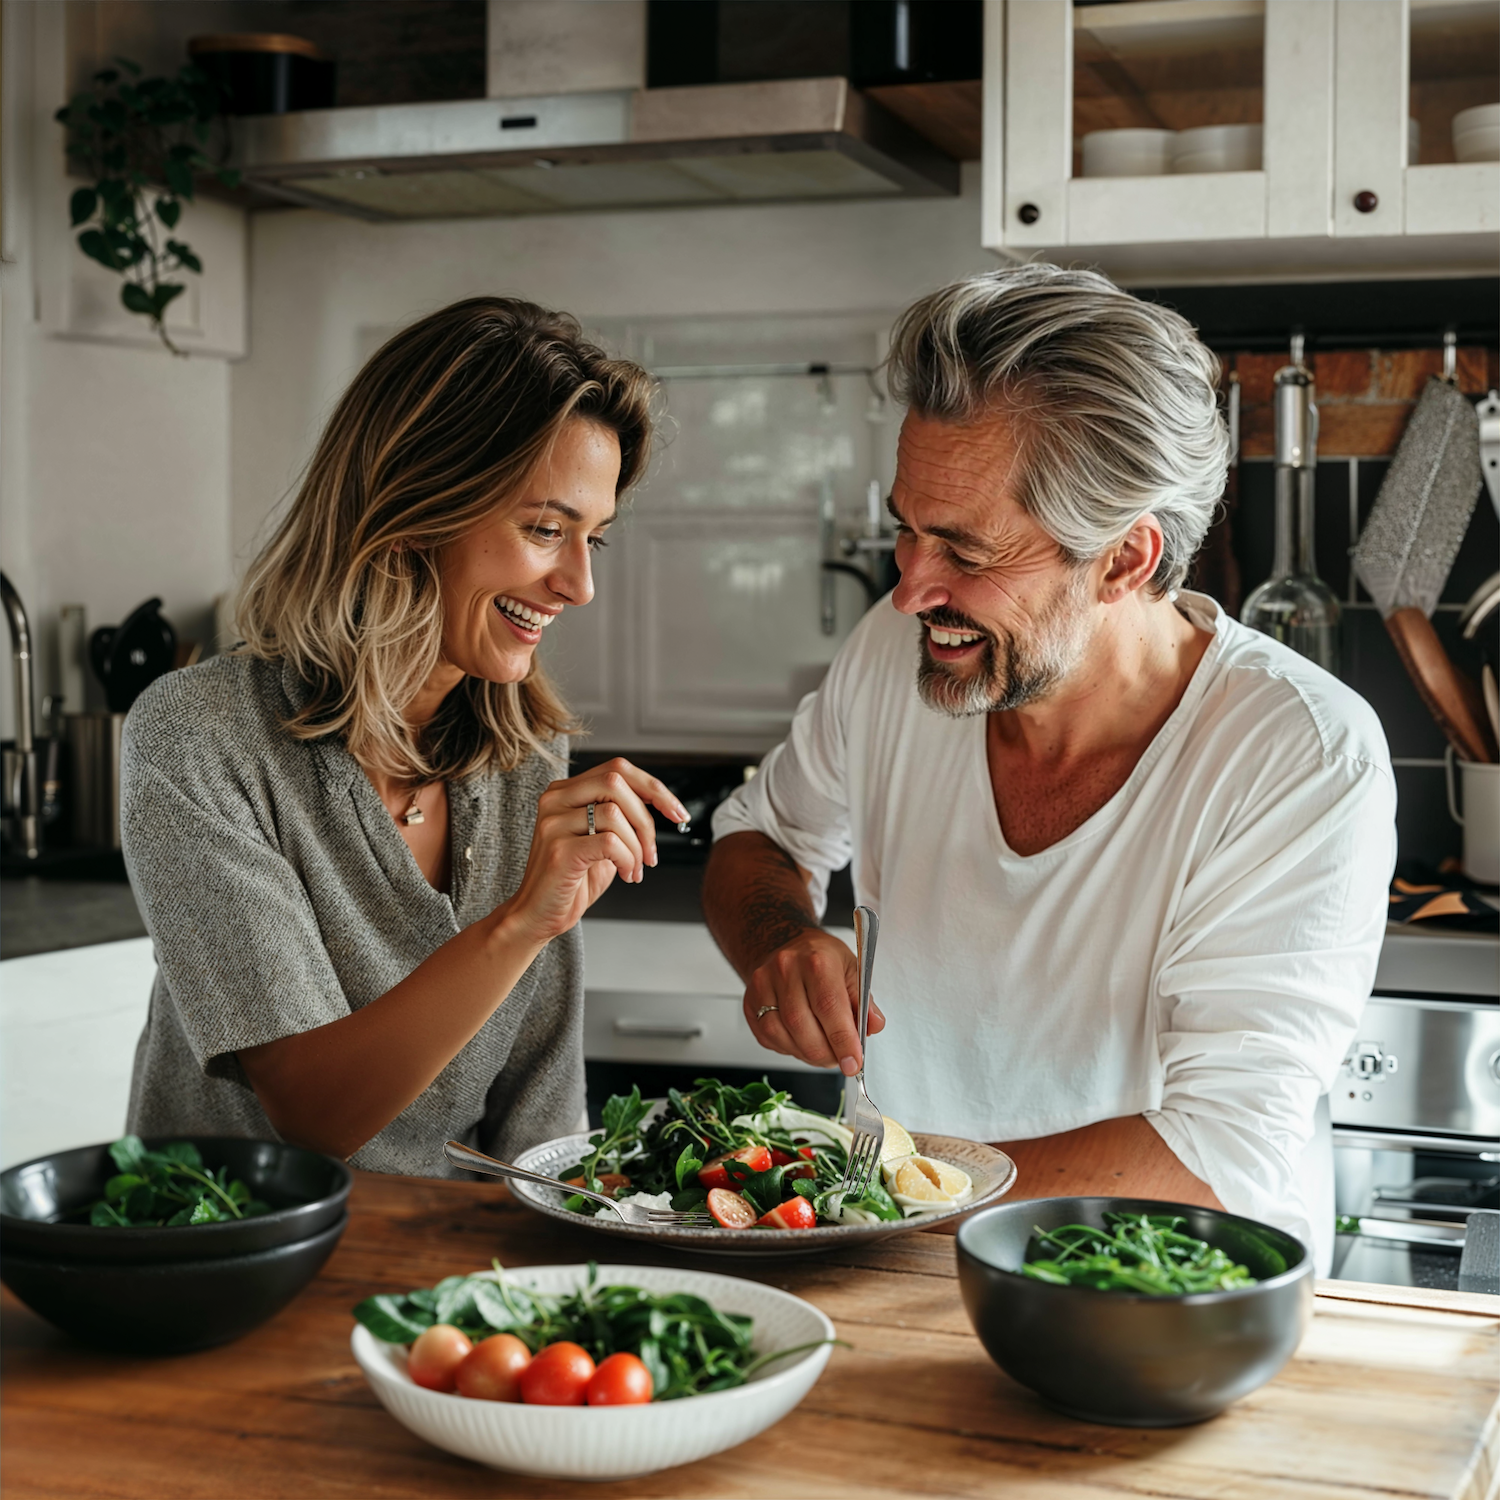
column 137, row 299
column 184, row 1151
column 103, row 1214
column 392, row 1319
column 169, row 211
column 167, row 292
column 128, row 1151
column 117, row 1187
column 81, row 206
column 179, row 177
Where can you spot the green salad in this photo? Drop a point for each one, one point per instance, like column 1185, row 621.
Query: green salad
column 1132, row 1253
column 169, row 1186
column 747, row 1156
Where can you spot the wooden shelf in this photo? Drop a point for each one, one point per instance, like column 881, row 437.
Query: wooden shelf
column 950, row 115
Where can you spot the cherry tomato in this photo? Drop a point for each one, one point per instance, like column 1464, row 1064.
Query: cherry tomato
column 557, row 1376
column 715, row 1174
column 620, row 1380
column 803, row 1168
column 795, row 1213
column 729, row 1209
column 611, row 1184
column 434, row 1358
column 491, row 1371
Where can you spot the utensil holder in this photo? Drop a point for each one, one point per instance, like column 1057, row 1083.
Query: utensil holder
column 1480, row 818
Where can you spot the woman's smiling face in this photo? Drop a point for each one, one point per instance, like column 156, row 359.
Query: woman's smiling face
column 509, row 578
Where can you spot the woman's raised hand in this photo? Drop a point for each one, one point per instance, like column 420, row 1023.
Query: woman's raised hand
column 569, row 868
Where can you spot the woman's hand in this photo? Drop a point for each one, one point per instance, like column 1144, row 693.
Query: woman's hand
column 569, row 868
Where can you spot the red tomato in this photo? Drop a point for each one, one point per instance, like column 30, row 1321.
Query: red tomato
column 781, row 1159
column 714, row 1174
column 491, row 1371
column 729, row 1209
column 795, row 1213
column 434, row 1358
column 611, row 1184
column 557, row 1376
column 621, row 1380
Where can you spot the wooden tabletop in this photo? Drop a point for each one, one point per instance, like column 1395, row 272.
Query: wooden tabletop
column 1392, row 1394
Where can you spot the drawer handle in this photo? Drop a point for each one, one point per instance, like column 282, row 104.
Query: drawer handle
column 677, row 1031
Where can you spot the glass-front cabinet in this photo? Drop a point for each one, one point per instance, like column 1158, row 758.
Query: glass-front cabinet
column 1264, row 136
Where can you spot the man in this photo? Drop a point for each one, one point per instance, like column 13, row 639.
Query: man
column 1130, row 858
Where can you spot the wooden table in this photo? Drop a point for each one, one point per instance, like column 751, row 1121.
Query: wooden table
column 1393, row 1394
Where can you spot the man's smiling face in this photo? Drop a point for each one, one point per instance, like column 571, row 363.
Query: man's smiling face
column 1006, row 614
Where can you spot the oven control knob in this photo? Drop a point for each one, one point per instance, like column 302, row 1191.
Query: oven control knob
column 1495, row 1067
column 1368, row 1060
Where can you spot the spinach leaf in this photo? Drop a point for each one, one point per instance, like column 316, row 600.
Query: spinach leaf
column 763, row 1189
column 393, row 1320
column 688, row 1166
column 169, row 1187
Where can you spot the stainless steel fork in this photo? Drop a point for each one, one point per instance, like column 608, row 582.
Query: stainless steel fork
column 860, row 1115
column 629, row 1213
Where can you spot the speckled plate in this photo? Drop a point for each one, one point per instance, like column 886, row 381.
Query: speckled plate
column 992, row 1172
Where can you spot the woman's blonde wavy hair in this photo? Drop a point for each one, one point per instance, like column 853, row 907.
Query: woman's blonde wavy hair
column 445, row 422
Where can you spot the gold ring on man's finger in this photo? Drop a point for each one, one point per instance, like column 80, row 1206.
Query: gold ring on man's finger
column 765, row 1010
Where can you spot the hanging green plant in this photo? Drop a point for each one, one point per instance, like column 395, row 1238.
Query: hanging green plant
column 142, row 142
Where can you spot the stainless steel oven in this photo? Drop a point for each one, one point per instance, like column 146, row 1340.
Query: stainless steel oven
column 1416, row 1111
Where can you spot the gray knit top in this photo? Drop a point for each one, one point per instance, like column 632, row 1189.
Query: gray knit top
column 280, row 896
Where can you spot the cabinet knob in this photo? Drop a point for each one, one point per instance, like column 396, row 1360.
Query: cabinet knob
column 1366, row 202
column 1028, row 213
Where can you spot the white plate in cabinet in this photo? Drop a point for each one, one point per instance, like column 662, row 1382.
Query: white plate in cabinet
column 699, row 1030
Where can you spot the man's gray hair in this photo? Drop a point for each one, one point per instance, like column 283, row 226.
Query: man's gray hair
column 1117, row 401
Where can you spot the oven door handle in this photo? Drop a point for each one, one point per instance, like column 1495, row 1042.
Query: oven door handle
column 1404, row 1232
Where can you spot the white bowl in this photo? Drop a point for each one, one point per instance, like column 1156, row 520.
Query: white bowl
column 616, row 1442
column 1217, row 148
column 1476, row 133
column 1127, row 153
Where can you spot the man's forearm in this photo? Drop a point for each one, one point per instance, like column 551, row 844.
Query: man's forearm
column 755, row 899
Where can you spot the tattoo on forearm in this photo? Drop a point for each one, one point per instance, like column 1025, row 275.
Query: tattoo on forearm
column 772, row 916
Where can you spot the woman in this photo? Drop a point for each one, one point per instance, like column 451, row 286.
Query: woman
column 361, row 879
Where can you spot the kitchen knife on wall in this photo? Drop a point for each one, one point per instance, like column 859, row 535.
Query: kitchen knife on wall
column 1406, row 551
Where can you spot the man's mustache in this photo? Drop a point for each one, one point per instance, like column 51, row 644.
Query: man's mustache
column 950, row 619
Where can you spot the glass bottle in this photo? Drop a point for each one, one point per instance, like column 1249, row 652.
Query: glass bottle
column 1294, row 605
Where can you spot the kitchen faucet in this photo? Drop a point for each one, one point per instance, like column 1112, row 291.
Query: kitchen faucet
column 24, row 792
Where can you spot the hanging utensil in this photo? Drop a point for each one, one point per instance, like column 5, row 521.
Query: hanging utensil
column 1406, row 551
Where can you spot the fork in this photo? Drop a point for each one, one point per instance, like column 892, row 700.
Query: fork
column 860, row 1115
column 629, row 1213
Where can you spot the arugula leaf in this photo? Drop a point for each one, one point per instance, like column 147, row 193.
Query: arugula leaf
column 393, row 1320
column 688, row 1166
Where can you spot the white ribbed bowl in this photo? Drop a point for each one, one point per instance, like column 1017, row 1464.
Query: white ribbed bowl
column 616, row 1442
column 1476, row 133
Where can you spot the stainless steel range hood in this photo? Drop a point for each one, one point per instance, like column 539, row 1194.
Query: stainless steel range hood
column 796, row 139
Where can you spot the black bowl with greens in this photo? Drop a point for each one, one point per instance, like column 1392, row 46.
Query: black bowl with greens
column 1137, row 1313
column 256, row 1195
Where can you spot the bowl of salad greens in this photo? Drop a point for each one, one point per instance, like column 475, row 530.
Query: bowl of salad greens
column 766, row 1173
column 590, row 1371
column 1133, row 1312
column 162, row 1246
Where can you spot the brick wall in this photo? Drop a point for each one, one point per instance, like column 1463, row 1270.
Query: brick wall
column 1364, row 399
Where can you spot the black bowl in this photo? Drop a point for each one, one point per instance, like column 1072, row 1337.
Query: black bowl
column 306, row 1190
column 170, row 1308
column 1123, row 1358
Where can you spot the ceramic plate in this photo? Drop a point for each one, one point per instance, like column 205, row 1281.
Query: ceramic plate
column 993, row 1174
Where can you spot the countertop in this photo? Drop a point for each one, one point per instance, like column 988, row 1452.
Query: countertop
column 1393, row 1392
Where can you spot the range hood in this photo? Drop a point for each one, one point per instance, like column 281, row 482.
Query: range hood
column 785, row 140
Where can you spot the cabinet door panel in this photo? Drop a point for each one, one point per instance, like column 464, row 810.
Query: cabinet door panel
column 1038, row 119
column 1370, row 89
column 1156, row 210
column 1454, row 198
column 1297, row 151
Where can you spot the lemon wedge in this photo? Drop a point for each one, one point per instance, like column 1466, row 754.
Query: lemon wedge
column 898, row 1142
column 920, row 1184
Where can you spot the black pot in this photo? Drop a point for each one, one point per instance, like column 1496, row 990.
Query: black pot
column 171, row 1308
column 308, row 1192
column 1121, row 1358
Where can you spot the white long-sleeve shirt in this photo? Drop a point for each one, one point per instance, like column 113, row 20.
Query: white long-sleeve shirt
column 1198, row 951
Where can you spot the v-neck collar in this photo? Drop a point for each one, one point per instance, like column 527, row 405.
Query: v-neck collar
column 1197, row 609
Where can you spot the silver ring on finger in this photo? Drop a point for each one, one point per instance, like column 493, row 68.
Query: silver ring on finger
column 765, row 1010
column 589, row 810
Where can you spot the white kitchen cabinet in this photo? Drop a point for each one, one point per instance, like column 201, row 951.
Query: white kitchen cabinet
column 1332, row 82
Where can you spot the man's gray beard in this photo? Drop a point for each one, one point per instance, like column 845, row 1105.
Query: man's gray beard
column 1012, row 672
